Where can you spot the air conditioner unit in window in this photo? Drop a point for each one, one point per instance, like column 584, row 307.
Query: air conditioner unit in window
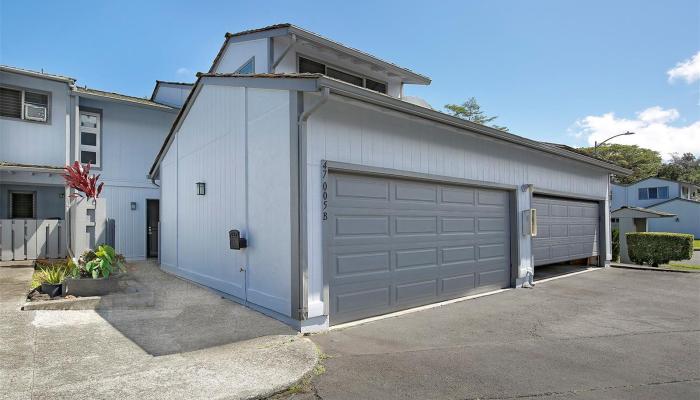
column 35, row 113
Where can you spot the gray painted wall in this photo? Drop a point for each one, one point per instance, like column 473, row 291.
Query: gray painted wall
column 28, row 142
column 629, row 195
column 49, row 202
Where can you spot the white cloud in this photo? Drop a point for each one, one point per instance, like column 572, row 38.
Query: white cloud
column 652, row 127
column 183, row 71
column 688, row 70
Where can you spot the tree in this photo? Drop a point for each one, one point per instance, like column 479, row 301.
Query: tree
column 643, row 162
column 470, row 110
column 685, row 168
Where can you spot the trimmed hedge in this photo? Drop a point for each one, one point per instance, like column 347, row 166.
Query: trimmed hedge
column 659, row 247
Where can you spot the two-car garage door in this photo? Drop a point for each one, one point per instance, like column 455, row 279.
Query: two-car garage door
column 392, row 243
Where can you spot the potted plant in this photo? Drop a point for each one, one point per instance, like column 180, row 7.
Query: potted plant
column 52, row 280
column 96, row 273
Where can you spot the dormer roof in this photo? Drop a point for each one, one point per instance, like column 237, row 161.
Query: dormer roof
column 316, row 40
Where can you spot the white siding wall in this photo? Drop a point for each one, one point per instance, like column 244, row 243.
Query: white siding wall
column 236, row 54
column 688, row 215
column 168, row 208
column 31, row 142
column 131, row 138
column 236, row 140
column 347, row 131
column 130, row 229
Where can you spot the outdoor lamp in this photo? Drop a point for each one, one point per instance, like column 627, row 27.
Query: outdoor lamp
column 201, row 188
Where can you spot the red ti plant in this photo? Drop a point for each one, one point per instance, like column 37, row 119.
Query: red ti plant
column 78, row 177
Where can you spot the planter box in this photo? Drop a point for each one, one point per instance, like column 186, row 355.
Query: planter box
column 91, row 287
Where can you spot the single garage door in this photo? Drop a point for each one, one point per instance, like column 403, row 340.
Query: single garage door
column 392, row 244
column 567, row 229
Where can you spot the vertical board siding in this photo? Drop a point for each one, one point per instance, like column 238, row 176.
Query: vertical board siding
column 236, row 141
column 168, row 207
column 130, row 225
column 347, row 131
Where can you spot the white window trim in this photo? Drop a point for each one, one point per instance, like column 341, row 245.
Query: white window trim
column 23, row 103
column 97, row 132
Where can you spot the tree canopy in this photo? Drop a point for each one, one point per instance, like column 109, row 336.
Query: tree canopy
column 646, row 163
column 470, row 110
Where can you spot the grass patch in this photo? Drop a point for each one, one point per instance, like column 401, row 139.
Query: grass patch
column 684, row 267
column 696, row 244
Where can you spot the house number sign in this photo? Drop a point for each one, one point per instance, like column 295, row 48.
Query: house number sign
column 324, row 189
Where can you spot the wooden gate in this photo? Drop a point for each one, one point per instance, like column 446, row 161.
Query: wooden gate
column 31, row 239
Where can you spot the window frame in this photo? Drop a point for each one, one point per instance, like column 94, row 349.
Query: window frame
column 22, row 90
column 343, row 70
column 658, row 192
column 646, row 194
column 10, row 203
column 251, row 61
column 97, row 148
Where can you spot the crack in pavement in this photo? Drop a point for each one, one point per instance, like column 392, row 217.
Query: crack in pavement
column 577, row 391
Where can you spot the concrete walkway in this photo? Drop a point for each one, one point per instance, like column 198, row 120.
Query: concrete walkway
column 192, row 344
column 604, row 334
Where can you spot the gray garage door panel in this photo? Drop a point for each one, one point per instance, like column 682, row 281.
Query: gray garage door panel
column 566, row 229
column 392, row 244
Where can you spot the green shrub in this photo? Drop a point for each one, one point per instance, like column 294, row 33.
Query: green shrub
column 659, row 247
column 616, row 245
column 100, row 263
column 53, row 275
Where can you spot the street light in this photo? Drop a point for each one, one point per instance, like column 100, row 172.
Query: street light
column 596, row 144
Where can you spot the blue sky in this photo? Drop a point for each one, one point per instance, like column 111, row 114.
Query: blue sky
column 540, row 65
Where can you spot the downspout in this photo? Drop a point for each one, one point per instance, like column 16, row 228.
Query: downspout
column 303, row 310
column 292, row 44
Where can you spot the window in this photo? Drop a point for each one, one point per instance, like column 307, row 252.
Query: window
column 314, row 67
column 643, row 194
column 343, row 76
column 23, row 104
column 247, row 68
column 376, row 86
column 311, row 67
column 22, row 205
column 90, row 137
column 653, row 193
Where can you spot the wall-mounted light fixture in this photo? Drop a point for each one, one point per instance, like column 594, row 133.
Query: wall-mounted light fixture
column 201, row 189
column 133, row 205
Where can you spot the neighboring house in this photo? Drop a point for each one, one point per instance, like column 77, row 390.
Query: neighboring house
column 679, row 198
column 353, row 201
column 47, row 121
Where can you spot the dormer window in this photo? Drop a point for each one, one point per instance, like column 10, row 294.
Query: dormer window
column 315, row 67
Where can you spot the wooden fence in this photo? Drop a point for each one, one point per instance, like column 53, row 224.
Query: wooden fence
column 31, row 239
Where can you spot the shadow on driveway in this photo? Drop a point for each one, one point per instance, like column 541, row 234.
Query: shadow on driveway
column 184, row 317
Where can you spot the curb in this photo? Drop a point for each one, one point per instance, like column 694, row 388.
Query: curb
column 624, row 266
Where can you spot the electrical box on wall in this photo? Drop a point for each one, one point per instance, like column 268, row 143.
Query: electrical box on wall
column 530, row 222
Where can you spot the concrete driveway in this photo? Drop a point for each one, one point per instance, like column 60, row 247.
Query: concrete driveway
column 189, row 344
column 603, row 334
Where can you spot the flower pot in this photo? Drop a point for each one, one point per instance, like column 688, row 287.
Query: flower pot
column 91, row 286
column 51, row 289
